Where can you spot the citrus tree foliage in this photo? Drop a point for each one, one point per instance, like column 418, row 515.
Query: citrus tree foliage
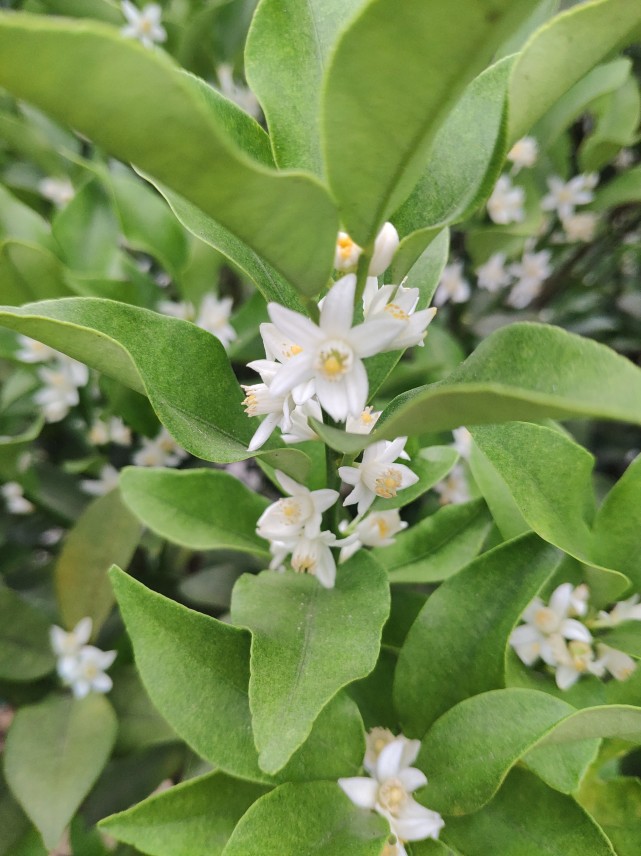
column 255, row 596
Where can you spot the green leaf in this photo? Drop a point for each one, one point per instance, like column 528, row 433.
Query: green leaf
column 526, row 819
column 287, row 51
column 196, row 153
column 465, row 162
column 195, row 818
column 106, row 533
column 25, row 650
column 622, row 190
column 465, row 625
column 562, row 52
column 463, row 775
column 438, row 546
column 496, row 493
column 55, row 751
column 617, row 120
column 374, row 113
column 265, row 277
column 523, row 371
column 139, row 723
column 625, row 637
column 20, row 222
column 200, row 509
column 307, row 643
column 614, row 804
column 30, row 272
column 13, row 821
column 298, row 819
column 183, row 370
column 196, row 671
column 550, row 478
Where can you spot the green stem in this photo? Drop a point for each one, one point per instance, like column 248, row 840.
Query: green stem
column 361, row 276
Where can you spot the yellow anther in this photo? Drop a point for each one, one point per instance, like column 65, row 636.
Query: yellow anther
column 396, row 312
column 388, row 483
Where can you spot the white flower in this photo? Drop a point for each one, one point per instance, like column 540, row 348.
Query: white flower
column 297, row 429
column 331, row 353
column 60, row 390
column 453, row 489
column 310, row 555
column 143, row 24
column 298, row 514
column 493, row 275
column 625, row 610
column 581, row 227
column 376, row 740
column 15, row 500
column 462, row 442
column 618, row 664
column 531, row 272
column 236, row 92
column 573, row 659
column 213, row 316
column 399, row 303
column 389, row 792
column 114, row 431
column 85, row 672
column 545, row 625
column 69, row 644
column 161, row 451
column 453, row 286
column 523, row 153
column 32, row 351
column 177, row 309
column 57, row 190
column 506, row 204
column 364, row 423
column 565, row 196
column 624, row 159
column 377, row 474
column 348, row 252
column 376, row 530
column 107, row 481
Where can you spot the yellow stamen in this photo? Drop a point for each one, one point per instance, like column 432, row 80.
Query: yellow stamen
column 388, row 483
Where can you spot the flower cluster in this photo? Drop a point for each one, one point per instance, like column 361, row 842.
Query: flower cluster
column 80, row 666
column 555, row 634
column 389, row 787
column 61, row 378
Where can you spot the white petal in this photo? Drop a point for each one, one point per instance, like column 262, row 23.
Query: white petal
column 362, row 791
column 357, row 387
column 295, row 371
column 263, row 432
column 566, row 677
column 411, row 779
column 338, row 308
column 573, row 629
column 418, row 823
column 101, row 683
column 374, row 336
column 412, row 747
column 389, row 761
column 324, row 499
column 297, row 327
column 58, row 637
column 82, row 630
column 333, row 398
column 560, row 599
column 350, row 475
column 293, row 488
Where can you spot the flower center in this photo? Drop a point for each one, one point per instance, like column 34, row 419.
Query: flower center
column 396, row 312
column 581, row 655
column 290, row 511
column 346, row 246
column 388, row 483
column 335, row 359
column 392, row 795
column 546, row 619
column 91, row 671
column 304, row 564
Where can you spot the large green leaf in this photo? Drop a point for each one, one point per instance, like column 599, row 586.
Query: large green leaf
column 526, row 818
column 106, row 533
column 25, row 651
column 624, row 189
column 617, row 116
column 465, row 625
column 307, row 643
column 562, row 52
column 200, row 509
column 194, row 818
column 305, row 819
column 196, row 671
column 614, row 804
column 465, row 162
column 164, row 122
column 183, row 370
column 55, row 752
column 438, row 546
column 30, row 272
column 550, row 478
column 287, row 51
column 464, row 773
column 378, row 123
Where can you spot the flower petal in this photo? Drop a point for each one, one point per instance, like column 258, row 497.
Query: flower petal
column 361, row 791
column 389, row 761
column 338, row 307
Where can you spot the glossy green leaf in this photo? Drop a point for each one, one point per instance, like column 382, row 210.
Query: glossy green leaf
column 139, row 723
column 463, row 775
column 465, row 625
column 196, row 671
column 438, row 546
column 30, row 272
column 614, row 804
column 195, row 818
column 287, row 52
column 200, row 509
column 25, row 650
column 196, row 153
column 617, row 122
column 298, row 819
column 307, row 643
column 106, row 533
column 550, row 478
column 526, row 819
column 496, row 493
column 465, row 162
column 87, row 232
column 22, row 223
column 55, row 751
column 562, row 52
column 378, row 125
column 183, row 370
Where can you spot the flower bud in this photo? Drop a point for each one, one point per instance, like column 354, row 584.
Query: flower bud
column 385, row 246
